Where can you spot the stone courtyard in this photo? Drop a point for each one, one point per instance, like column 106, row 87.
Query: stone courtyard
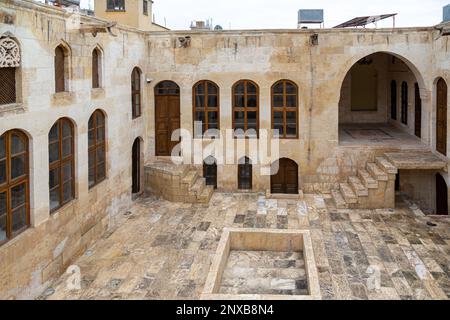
column 163, row 250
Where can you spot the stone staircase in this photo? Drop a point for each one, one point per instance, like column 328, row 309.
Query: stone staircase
column 372, row 187
column 176, row 183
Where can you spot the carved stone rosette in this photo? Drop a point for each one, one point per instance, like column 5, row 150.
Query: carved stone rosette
column 9, row 53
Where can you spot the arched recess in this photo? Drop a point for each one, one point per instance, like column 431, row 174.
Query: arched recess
column 441, row 116
column 373, row 85
column 62, row 67
column 136, row 93
column 167, row 116
column 10, row 69
column 97, row 67
column 441, row 195
column 137, row 165
column 210, row 171
column 245, row 172
column 285, row 180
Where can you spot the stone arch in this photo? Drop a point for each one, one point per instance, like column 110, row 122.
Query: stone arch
column 285, row 176
column 352, row 61
column 365, row 97
column 62, row 66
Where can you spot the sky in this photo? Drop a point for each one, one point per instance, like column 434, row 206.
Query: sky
column 280, row 14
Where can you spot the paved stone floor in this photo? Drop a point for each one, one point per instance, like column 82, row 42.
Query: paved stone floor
column 163, row 250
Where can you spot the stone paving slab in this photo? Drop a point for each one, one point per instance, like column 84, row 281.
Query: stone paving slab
column 416, row 160
column 163, row 250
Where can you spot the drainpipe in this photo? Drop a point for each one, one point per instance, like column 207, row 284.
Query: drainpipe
column 314, row 41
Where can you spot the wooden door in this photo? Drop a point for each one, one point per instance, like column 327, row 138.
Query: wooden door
column 167, row 120
column 136, row 166
column 441, row 196
column 286, row 180
column 441, row 117
column 418, row 112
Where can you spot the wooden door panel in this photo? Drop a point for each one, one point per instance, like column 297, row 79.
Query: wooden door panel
column 418, row 113
column 441, row 117
column 291, row 178
column 286, row 180
column 167, row 120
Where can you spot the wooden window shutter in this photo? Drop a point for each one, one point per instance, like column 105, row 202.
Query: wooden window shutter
column 7, row 85
column 59, row 70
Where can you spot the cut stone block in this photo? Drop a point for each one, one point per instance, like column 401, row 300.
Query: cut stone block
column 367, row 179
column 358, row 187
column 385, row 165
column 376, row 172
column 348, row 194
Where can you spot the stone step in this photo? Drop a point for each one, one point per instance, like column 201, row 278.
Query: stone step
column 367, row 179
column 348, row 194
column 339, row 200
column 376, row 172
column 386, row 165
column 190, row 178
column 206, row 194
column 198, row 186
column 358, row 187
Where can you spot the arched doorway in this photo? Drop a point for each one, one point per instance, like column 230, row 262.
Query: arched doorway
column 245, row 174
column 441, row 116
column 441, row 196
column 210, row 171
column 136, row 166
column 167, row 116
column 376, row 107
column 285, row 181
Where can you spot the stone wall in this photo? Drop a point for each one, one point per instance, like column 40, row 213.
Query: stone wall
column 29, row 261
column 420, row 186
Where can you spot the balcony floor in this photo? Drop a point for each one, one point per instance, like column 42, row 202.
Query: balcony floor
column 378, row 135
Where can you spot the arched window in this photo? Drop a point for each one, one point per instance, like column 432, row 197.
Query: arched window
column 245, row 174
column 136, row 92
column 14, row 185
column 285, row 108
column 245, row 106
column 9, row 64
column 404, row 102
column 96, row 68
column 206, row 105
column 97, row 148
column 394, row 100
column 61, row 163
column 61, row 69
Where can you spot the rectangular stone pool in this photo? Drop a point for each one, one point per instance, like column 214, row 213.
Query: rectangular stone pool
column 263, row 264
